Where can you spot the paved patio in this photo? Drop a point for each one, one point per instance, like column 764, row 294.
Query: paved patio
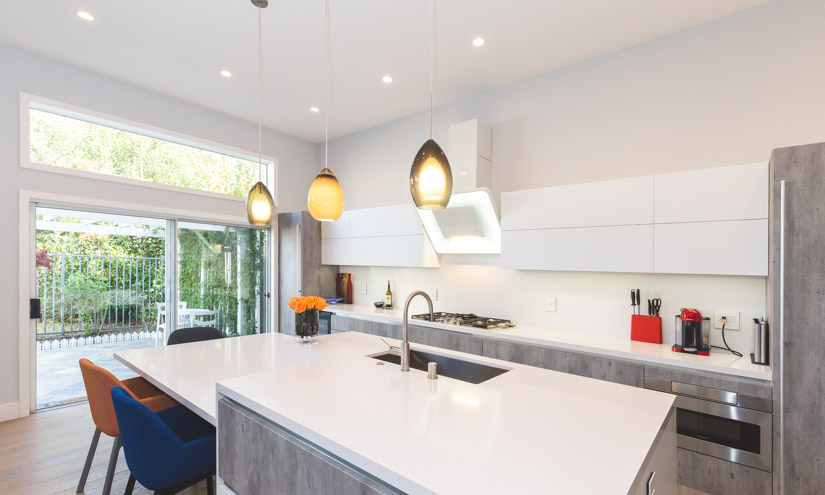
column 58, row 375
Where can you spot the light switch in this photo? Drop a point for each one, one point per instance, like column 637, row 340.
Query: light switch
column 363, row 288
column 550, row 304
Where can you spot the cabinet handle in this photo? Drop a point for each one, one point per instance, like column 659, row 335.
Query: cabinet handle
column 650, row 489
column 782, row 337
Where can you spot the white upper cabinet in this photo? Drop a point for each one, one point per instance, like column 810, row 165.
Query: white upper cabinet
column 626, row 248
column 335, row 251
column 594, row 204
column 712, row 248
column 711, row 221
column 385, row 221
column 739, row 192
column 384, row 236
column 338, row 229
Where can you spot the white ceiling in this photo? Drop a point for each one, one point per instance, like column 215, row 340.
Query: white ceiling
column 177, row 47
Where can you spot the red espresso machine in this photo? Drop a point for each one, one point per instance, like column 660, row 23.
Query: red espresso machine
column 692, row 333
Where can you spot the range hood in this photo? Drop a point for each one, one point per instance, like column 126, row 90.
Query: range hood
column 470, row 223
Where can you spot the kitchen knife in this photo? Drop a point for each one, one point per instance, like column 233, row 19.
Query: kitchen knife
column 639, row 298
column 632, row 302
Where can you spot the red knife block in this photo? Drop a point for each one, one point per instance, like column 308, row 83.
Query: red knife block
column 646, row 329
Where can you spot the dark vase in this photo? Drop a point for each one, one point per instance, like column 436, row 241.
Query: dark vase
column 306, row 324
column 349, row 289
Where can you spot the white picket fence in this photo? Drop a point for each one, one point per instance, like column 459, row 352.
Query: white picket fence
column 102, row 339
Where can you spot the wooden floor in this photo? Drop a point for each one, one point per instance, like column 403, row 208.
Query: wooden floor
column 44, row 453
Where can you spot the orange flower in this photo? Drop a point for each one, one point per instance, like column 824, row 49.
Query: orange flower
column 301, row 304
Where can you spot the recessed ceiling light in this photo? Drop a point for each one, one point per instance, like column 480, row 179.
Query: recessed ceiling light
column 314, row 109
column 84, row 15
column 387, row 79
column 479, row 41
column 226, row 73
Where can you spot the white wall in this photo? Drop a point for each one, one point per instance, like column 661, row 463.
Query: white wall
column 723, row 93
column 30, row 73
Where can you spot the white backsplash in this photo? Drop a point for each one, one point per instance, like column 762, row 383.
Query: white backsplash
column 596, row 303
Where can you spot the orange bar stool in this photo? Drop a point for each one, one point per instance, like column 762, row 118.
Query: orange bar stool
column 99, row 384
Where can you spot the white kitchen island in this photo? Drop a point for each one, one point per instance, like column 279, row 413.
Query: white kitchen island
column 527, row 430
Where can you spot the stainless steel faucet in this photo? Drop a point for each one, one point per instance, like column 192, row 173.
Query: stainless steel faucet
column 405, row 344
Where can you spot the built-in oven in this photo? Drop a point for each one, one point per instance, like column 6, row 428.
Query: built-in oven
column 728, row 425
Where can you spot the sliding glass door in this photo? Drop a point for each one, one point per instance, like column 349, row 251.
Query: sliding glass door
column 222, row 278
column 105, row 282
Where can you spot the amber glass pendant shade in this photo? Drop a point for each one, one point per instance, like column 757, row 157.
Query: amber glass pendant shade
column 431, row 179
column 325, row 200
column 259, row 205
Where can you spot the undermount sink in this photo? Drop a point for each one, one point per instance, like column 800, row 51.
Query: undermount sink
column 459, row 369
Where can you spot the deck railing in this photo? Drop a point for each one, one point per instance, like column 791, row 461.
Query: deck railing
column 90, row 294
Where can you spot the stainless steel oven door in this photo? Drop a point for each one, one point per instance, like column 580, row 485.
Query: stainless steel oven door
column 762, row 460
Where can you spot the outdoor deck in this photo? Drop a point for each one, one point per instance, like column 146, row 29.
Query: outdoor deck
column 58, row 375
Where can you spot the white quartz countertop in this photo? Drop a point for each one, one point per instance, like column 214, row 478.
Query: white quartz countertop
column 661, row 354
column 189, row 372
column 528, row 430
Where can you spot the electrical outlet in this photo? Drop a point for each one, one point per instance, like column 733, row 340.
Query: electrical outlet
column 363, row 288
column 550, row 304
column 731, row 316
column 433, row 293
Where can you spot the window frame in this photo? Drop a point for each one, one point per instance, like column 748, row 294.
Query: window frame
column 29, row 101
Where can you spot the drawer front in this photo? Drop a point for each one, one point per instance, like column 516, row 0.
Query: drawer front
column 445, row 339
column 600, row 368
column 745, row 386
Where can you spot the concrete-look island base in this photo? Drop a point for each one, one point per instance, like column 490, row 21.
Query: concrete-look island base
column 347, row 424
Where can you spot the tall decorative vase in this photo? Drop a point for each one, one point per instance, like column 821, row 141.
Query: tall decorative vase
column 338, row 285
column 349, row 288
column 306, row 325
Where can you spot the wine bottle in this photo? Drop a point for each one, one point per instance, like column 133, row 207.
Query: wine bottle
column 388, row 297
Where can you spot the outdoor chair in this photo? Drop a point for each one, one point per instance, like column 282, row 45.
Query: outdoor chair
column 99, row 383
column 194, row 334
column 161, row 323
column 167, row 451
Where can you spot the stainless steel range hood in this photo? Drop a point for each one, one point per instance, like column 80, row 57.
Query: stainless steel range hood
column 470, row 223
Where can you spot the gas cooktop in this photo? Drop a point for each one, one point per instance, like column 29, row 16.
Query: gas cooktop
column 467, row 320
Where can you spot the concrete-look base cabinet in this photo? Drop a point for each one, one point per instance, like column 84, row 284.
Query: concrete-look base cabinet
column 601, row 368
column 445, row 339
column 256, row 457
column 720, row 477
column 658, row 475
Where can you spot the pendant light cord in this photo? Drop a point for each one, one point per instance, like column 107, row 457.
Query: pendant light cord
column 260, row 89
column 431, row 56
column 328, row 67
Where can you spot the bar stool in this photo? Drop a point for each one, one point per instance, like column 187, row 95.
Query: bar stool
column 99, row 383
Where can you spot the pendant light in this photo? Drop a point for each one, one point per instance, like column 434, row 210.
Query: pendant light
column 259, row 204
column 325, row 200
column 431, row 179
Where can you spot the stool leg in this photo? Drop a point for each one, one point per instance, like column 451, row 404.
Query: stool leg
column 89, row 457
column 130, row 485
column 210, row 489
column 110, row 473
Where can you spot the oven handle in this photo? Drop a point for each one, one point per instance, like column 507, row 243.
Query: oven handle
column 713, row 394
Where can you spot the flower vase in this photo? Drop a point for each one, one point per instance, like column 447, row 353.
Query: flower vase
column 306, row 325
